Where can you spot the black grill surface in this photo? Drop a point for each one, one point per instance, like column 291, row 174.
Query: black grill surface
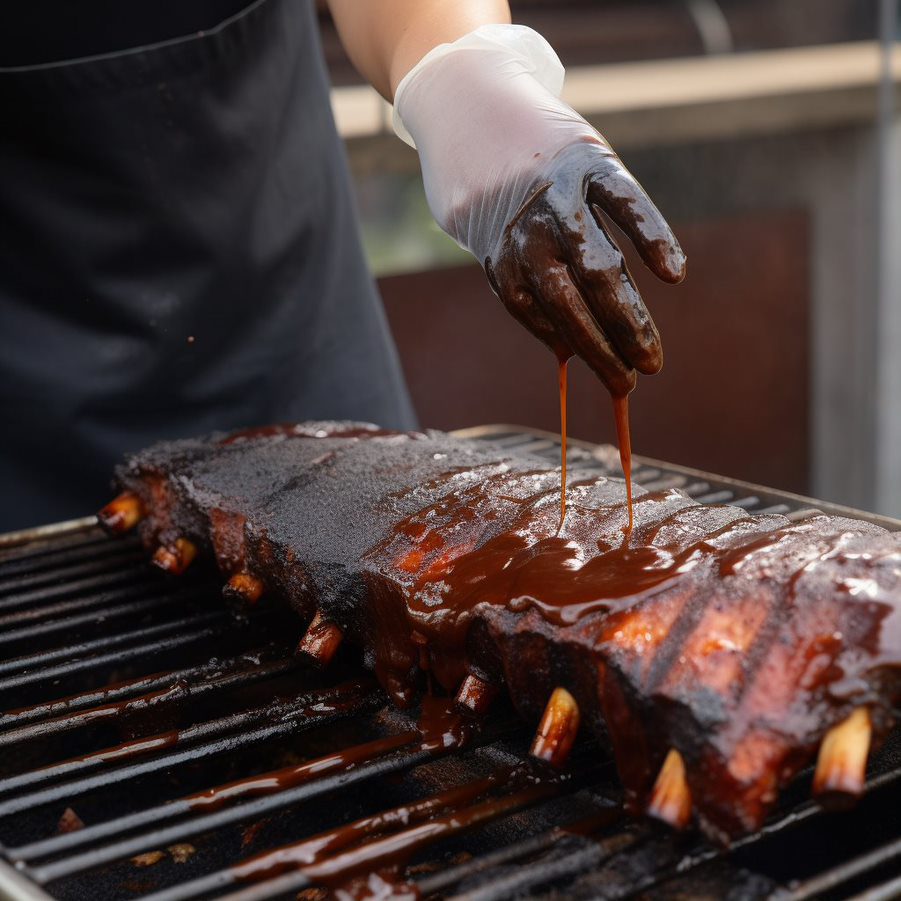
column 124, row 693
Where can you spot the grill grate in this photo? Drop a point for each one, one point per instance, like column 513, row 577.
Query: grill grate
column 152, row 738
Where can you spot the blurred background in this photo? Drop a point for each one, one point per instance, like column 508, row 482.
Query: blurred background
column 768, row 133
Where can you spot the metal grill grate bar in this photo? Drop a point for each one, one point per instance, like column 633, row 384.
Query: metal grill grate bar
column 503, row 887
column 142, row 574
column 194, row 677
column 373, row 852
column 525, row 880
column 201, row 824
column 39, row 662
column 142, row 652
column 885, row 892
column 47, row 576
column 833, row 878
column 140, row 746
column 74, row 605
column 64, row 548
column 174, row 688
column 107, row 615
column 286, row 716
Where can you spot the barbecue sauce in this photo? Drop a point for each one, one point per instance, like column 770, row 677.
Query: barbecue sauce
column 449, row 564
column 319, row 848
column 624, row 440
column 384, row 843
column 395, row 850
column 281, row 780
column 562, row 363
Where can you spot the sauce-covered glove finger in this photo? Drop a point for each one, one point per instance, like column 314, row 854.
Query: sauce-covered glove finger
column 614, row 189
column 533, row 279
column 523, row 307
column 559, row 218
column 599, row 269
column 553, row 287
column 524, row 182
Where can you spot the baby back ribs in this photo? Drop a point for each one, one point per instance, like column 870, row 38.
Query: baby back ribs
column 718, row 652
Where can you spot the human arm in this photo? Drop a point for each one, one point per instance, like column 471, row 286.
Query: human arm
column 521, row 180
column 386, row 38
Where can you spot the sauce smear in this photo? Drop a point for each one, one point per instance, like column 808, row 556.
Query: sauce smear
column 621, row 412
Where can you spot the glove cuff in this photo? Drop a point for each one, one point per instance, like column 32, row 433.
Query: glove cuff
column 517, row 42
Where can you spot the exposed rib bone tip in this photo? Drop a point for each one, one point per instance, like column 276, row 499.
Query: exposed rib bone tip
column 175, row 558
column 671, row 797
column 476, row 695
column 121, row 514
column 558, row 729
column 321, row 641
column 842, row 764
column 244, row 586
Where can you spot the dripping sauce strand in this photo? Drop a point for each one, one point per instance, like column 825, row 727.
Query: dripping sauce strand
column 562, row 364
column 624, row 440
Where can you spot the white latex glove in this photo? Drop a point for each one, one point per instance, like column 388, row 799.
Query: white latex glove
column 521, row 180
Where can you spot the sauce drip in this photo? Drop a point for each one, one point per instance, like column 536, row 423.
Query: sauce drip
column 441, row 728
column 623, row 438
column 289, row 777
column 562, row 364
column 393, row 850
column 327, row 844
column 381, row 845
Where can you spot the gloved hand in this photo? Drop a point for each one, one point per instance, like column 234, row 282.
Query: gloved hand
column 518, row 178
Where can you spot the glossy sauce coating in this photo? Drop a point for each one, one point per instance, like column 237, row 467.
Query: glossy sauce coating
column 595, row 567
column 624, row 440
column 562, row 364
column 759, row 630
column 385, row 842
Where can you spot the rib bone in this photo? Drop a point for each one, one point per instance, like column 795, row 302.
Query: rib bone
column 177, row 557
column 121, row 514
column 476, row 695
column 670, row 797
column 244, row 586
column 321, row 641
column 558, row 729
column 842, row 764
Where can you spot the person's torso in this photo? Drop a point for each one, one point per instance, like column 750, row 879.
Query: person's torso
column 178, row 246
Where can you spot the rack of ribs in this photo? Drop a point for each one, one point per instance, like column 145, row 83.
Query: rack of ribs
column 718, row 652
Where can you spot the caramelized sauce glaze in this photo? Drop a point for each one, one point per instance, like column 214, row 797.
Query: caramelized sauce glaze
column 603, row 559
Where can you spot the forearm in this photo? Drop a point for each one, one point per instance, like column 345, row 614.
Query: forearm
column 517, row 176
column 386, row 38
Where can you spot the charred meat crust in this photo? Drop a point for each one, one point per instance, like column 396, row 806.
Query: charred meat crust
column 737, row 641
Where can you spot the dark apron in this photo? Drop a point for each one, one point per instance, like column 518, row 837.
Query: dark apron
column 179, row 253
